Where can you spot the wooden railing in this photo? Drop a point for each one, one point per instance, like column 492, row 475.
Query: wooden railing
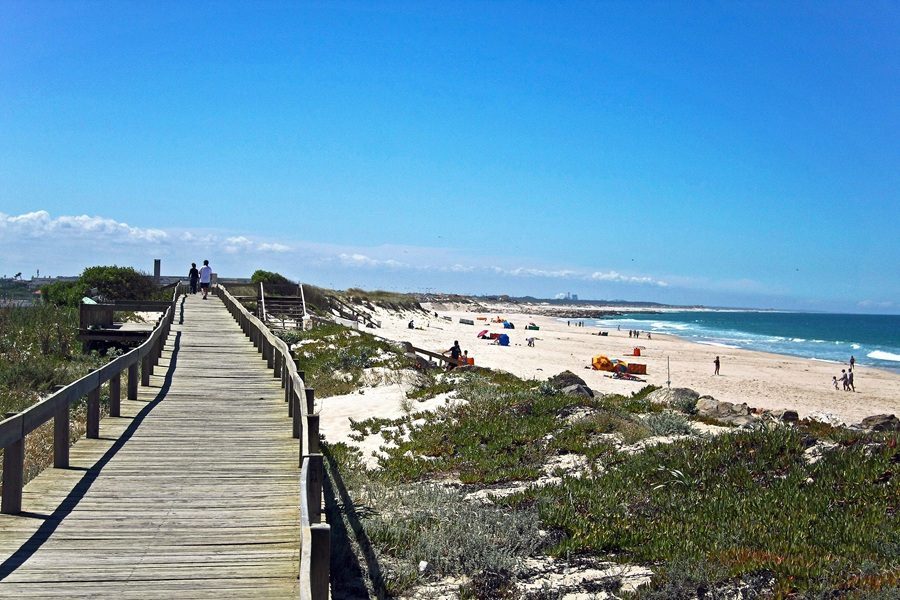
column 315, row 534
column 15, row 427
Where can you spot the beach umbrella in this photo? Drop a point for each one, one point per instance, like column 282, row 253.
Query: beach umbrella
column 482, row 333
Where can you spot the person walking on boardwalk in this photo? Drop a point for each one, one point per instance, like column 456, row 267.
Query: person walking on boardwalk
column 205, row 278
column 194, row 276
column 716, row 362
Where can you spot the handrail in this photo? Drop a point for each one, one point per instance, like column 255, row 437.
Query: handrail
column 315, row 535
column 57, row 407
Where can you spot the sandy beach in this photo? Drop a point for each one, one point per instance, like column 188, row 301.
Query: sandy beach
column 761, row 380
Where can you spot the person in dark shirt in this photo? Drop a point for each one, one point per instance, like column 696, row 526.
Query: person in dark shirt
column 194, row 276
column 455, row 352
column 716, row 362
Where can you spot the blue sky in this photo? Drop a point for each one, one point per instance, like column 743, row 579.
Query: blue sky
column 740, row 154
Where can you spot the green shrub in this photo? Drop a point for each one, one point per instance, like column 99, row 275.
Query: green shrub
column 64, row 293
column 668, row 423
column 260, row 276
column 121, row 283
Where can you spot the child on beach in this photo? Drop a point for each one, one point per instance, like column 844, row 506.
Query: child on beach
column 834, row 381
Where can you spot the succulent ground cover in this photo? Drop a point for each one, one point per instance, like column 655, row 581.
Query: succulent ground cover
column 806, row 510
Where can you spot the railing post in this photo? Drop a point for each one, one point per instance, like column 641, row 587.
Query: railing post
column 61, row 436
column 314, row 486
column 146, row 370
column 132, row 381
column 270, row 354
column 277, row 361
column 320, row 560
column 13, row 475
column 93, row 414
column 289, row 393
column 312, row 433
column 297, row 421
column 115, row 395
column 310, row 401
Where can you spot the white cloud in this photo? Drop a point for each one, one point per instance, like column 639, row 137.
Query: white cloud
column 528, row 272
column 242, row 243
column 619, row 278
column 361, row 260
column 869, row 304
column 272, row 247
column 40, row 223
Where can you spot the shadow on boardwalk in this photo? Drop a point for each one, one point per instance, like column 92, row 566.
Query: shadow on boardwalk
column 344, row 556
column 52, row 521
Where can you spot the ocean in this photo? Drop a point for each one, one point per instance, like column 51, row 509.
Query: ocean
column 874, row 340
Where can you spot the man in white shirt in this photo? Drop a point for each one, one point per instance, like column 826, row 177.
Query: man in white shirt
column 205, row 278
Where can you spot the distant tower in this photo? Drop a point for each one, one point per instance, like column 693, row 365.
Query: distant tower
column 157, row 266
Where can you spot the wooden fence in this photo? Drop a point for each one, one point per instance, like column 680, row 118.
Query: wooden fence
column 15, row 427
column 315, row 534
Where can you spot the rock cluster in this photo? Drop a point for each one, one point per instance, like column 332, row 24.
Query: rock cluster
column 881, row 423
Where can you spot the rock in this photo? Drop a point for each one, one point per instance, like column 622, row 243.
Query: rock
column 578, row 390
column 736, row 414
column 783, row 414
column 675, row 397
column 881, row 423
column 707, row 406
column 566, row 379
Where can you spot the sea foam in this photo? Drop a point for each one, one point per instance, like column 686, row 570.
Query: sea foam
column 881, row 355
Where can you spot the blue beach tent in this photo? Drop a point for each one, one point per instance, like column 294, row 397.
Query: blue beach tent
column 508, row 325
column 504, row 339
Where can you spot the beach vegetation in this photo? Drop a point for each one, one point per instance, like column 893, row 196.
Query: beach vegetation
column 39, row 352
column 748, row 501
column 334, row 357
column 668, row 423
column 107, row 282
column 261, row 276
column 748, row 511
column 121, row 283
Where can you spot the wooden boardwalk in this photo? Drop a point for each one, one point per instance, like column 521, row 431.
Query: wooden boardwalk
column 191, row 493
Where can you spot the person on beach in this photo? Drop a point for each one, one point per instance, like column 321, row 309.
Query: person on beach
column 834, row 381
column 194, row 277
column 716, row 363
column 455, row 352
column 850, row 381
column 205, row 278
column 852, row 362
column 530, row 342
column 844, row 380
